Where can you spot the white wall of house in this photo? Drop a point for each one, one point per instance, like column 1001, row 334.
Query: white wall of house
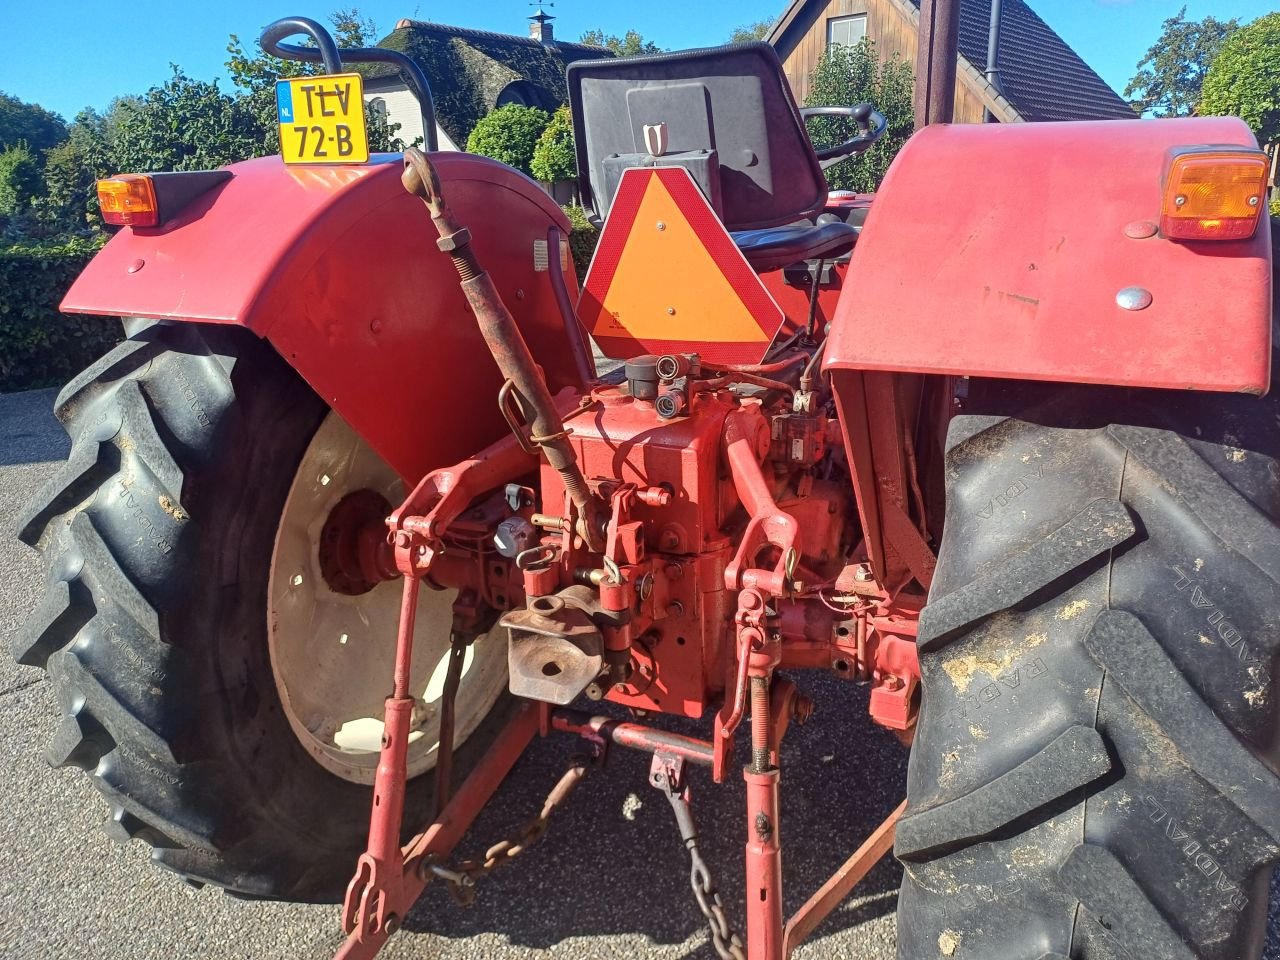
column 402, row 108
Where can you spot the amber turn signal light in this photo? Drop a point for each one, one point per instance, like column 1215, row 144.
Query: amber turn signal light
column 1213, row 193
column 129, row 200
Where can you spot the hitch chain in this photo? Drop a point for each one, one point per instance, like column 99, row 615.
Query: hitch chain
column 462, row 877
column 666, row 773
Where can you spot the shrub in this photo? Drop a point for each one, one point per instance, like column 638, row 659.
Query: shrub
column 1244, row 79
column 40, row 347
column 583, row 238
column 553, row 156
column 509, row 134
column 846, row 75
column 20, row 180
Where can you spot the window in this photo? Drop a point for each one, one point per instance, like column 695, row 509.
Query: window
column 519, row 92
column 846, row 30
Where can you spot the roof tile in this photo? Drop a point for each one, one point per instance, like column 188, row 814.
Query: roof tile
column 1039, row 73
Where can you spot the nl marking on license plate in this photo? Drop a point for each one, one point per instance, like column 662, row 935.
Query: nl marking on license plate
column 322, row 119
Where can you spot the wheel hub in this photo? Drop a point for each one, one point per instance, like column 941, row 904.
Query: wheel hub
column 354, row 553
column 333, row 609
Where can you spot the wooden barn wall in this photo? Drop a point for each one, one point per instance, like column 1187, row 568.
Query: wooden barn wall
column 893, row 34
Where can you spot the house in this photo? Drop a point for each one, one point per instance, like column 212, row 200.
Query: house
column 473, row 71
column 1039, row 76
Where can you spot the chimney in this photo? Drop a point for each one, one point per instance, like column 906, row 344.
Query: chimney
column 540, row 26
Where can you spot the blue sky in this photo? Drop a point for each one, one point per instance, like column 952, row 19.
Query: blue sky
column 76, row 54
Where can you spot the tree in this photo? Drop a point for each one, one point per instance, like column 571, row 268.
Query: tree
column 850, row 74
column 630, row 45
column 185, row 124
column 352, row 29
column 94, row 134
column 31, row 123
column 1244, row 80
column 510, row 134
column 19, row 179
column 68, row 183
column 256, row 76
column 554, row 158
column 751, row 31
column 1170, row 76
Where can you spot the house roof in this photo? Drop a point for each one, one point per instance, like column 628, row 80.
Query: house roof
column 468, row 69
column 1040, row 75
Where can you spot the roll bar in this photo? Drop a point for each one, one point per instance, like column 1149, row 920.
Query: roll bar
column 326, row 51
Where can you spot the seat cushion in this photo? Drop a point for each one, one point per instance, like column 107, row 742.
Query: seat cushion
column 776, row 247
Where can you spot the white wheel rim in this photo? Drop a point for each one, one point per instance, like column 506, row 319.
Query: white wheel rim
column 333, row 654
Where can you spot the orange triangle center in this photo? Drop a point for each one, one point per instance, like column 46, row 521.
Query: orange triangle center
column 667, row 285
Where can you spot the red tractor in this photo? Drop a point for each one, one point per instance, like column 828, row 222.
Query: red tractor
column 352, row 515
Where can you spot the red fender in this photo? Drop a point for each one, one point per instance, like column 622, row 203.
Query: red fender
column 998, row 250
column 337, row 267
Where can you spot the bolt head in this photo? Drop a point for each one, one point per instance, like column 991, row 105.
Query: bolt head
column 1141, row 229
column 1253, row 201
column 1180, row 200
column 661, row 225
column 1133, row 298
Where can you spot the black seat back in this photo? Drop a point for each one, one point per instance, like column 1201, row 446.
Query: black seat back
column 730, row 120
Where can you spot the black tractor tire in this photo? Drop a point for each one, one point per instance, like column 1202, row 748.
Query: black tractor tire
column 1095, row 770
column 158, row 536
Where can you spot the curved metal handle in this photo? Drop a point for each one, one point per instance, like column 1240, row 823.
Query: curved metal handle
column 327, row 52
column 871, row 127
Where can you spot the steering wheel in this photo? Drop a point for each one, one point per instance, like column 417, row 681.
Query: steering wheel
column 872, row 126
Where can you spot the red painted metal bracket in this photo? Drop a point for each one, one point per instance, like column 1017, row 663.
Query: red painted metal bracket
column 439, row 839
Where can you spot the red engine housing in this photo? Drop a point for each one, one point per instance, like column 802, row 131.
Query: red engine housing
column 685, row 610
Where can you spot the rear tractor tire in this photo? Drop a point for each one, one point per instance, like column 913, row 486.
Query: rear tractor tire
column 221, row 695
column 1095, row 771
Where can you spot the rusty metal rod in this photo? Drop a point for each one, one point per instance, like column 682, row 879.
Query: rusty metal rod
column 634, row 736
column 507, row 345
column 444, row 755
column 761, row 725
column 841, row 884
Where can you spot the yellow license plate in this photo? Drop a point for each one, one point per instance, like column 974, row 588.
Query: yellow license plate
column 322, row 119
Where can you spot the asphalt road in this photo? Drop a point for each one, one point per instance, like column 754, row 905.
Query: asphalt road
column 609, row 880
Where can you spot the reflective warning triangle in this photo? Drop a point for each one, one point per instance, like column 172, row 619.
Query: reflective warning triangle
column 668, row 278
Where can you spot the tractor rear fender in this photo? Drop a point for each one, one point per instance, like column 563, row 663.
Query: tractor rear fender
column 337, row 267
column 1001, row 250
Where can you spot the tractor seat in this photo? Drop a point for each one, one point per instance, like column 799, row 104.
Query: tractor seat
column 776, row 247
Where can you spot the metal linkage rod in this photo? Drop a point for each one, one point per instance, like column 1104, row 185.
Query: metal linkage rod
column 841, row 884
column 634, row 736
column 508, row 346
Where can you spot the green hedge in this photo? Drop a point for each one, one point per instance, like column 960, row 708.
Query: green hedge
column 39, row 347
column 582, row 240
